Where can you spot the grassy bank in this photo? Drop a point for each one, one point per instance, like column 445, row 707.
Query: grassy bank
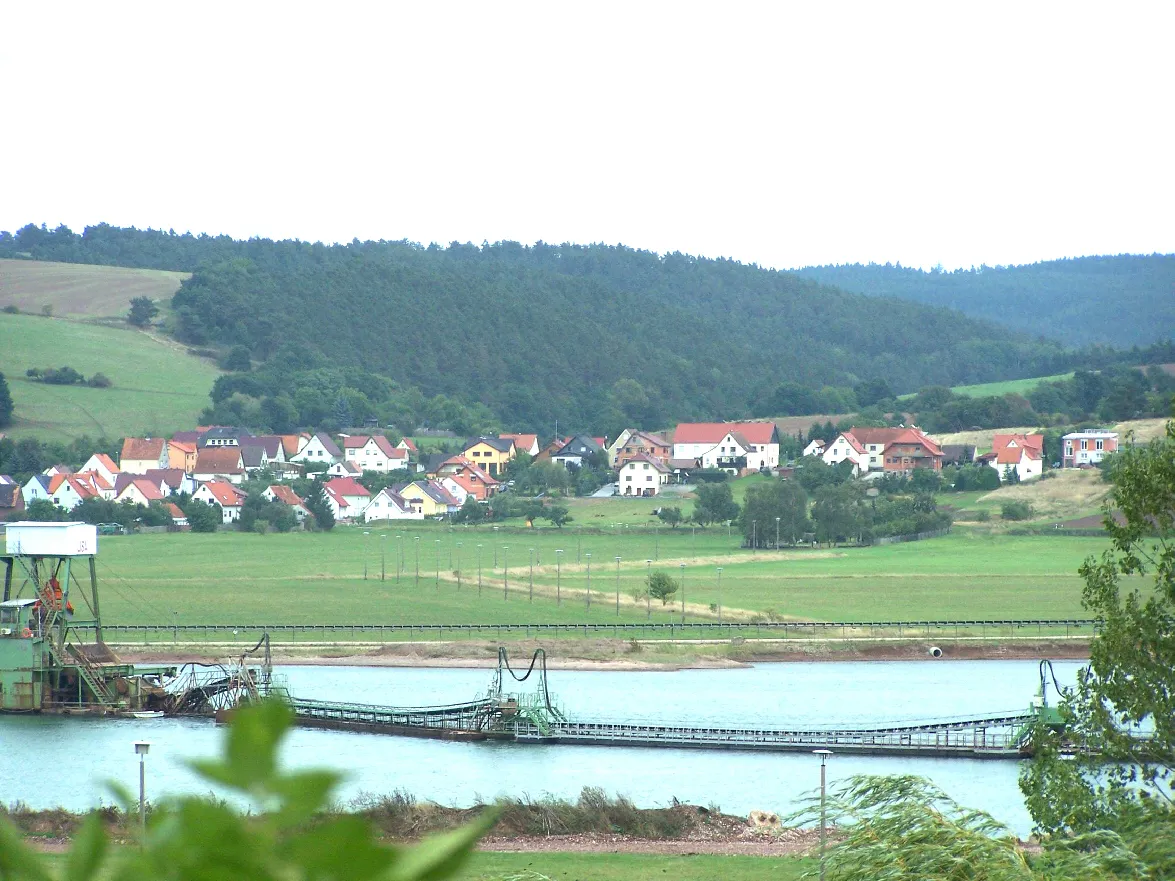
column 319, row 578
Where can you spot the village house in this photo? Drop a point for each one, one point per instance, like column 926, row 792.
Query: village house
column 491, row 454
column 222, row 495
column 179, row 520
column 473, row 478
column 36, row 488
column 757, row 442
column 220, row 462
column 223, row 436
column 523, row 443
column 428, row 497
column 181, row 455
column 344, row 469
column 59, row 468
column 140, row 491
column 1081, row 449
column 142, row 453
column 643, row 475
column 102, row 464
column 12, row 503
column 374, row 453
column 319, row 450
column 633, row 442
column 387, row 504
column 887, row 449
column 353, row 493
column 1022, row 454
column 846, row 448
column 67, row 491
column 285, row 496
column 470, row 482
column 573, row 453
column 815, row 447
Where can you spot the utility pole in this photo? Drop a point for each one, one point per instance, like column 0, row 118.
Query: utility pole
column 618, row 586
column 479, row 570
column 682, row 592
column 719, row 594
column 532, row 575
column 458, row 565
column 416, row 544
column 365, row 536
column 588, row 556
column 824, row 754
column 383, row 546
column 648, row 594
column 505, row 574
column 558, row 577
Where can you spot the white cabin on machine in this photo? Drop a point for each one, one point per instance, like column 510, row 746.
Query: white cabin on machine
column 31, row 539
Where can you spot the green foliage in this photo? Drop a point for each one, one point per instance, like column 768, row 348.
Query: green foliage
column 142, row 310
column 319, row 508
column 715, row 504
column 99, row 380
column 558, row 513
column 764, row 503
column 471, row 511
column 1112, row 782
column 838, row 513
column 258, row 509
column 56, row 375
column 202, row 517
column 972, row 477
column 670, row 516
column 661, row 586
column 6, row 407
column 288, row 835
column 1015, row 511
column 238, row 359
column 43, row 511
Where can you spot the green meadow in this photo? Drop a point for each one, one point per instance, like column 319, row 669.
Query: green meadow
column 157, row 387
column 430, row 575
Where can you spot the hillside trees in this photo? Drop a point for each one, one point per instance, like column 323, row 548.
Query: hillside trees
column 6, row 405
column 319, row 507
column 142, row 310
column 764, row 503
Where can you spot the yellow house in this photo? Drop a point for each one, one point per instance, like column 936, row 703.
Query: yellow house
column 490, row 453
column 181, row 454
column 428, row 498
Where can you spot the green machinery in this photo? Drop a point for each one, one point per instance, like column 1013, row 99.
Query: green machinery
column 49, row 603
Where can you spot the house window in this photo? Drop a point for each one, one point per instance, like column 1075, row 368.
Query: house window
column 1099, row 444
column 649, row 479
column 1084, row 444
column 645, row 466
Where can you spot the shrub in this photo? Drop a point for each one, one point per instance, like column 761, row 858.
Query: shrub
column 12, row 309
column 47, row 310
column 1015, row 511
column 99, row 380
column 982, row 516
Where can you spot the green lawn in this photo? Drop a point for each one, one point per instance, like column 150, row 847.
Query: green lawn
column 1007, row 387
column 318, row 578
column 630, row 867
column 158, row 387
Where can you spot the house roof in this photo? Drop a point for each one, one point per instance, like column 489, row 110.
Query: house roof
column 219, row 432
column 347, row 486
column 284, row 494
column 252, row 455
column 173, row 477
column 1009, row 449
column 10, row 495
column 713, row 432
column 580, row 445
column 183, row 446
column 175, row 511
column 347, row 467
column 80, row 484
column 225, row 493
column 888, row 436
column 186, row 437
column 408, row 444
column 355, row 441
column 42, row 479
column 649, row 438
column 431, row 488
column 290, row 444
column 218, row 460
column 502, row 444
column 336, row 496
column 327, row 444
column 272, row 443
column 394, row 497
column 683, row 464
column 139, row 448
column 645, row 458
column 852, row 441
column 106, row 462
column 522, row 441
column 149, row 490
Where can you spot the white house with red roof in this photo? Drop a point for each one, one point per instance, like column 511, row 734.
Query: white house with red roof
column 846, row 447
column 472, row 477
column 643, row 475
column 387, row 504
column 284, row 495
column 223, row 495
column 885, row 449
column 1021, row 453
column 140, row 491
column 142, row 453
column 104, row 465
column 353, row 495
column 374, row 453
column 320, row 449
column 704, row 441
column 523, row 443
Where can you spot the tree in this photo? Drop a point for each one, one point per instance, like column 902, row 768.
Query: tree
column 43, row 510
column 238, row 359
column 558, row 514
column 317, row 505
column 661, row 586
column 6, row 406
column 143, row 309
column 783, row 499
column 837, row 513
column 669, row 516
column 1013, row 510
column 202, row 517
column 1111, row 781
column 715, row 504
column 471, row 511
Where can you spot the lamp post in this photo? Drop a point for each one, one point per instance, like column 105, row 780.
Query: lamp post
column 383, row 546
column 458, row 565
column 682, row 565
column 648, row 595
column 719, row 594
column 505, row 573
column 416, row 544
column 618, row 586
column 824, row 754
column 656, row 542
column 588, row 557
column 754, row 534
column 175, row 628
column 532, row 575
column 558, row 576
column 437, row 559
column 777, row 533
column 365, row 535
column 142, row 747
column 495, row 547
column 400, row 561
column 479, row 570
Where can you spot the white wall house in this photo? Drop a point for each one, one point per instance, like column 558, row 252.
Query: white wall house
column 643, row 475
column 1023, row 454
column 388, row 505
column 36, row 488
column 142, row 454
column 1084, row 448
column 104, row 465
column 374, row 453
column 846, row 447
column 815, row 447
column 320, row 449
column 224, row 496
column 693, row 440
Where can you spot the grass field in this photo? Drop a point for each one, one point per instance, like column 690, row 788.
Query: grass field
column 630, row 867
column 79, row 290
column 1007, row 387
column 228, row 578
column 158, row 387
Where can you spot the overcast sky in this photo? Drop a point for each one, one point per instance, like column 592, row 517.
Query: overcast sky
column 832, row 133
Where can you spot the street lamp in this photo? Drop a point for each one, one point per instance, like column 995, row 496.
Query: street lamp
column 479, row 570
column 558, row 576
column 777, row 533
column 719, row 594
column 142, row 747
column 495, row 547
column 383, row 546
column 648, row 594
column 682, row 565
column 824, row 754
column 365, row 536
column 588, row 557
column 532, row 575
column 618, row 586
column 505, row 573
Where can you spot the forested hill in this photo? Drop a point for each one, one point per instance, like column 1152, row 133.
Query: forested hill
column 593, row 336
column 1121, row 301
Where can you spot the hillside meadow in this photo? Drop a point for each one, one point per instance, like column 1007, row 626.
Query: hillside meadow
column 319, row 578
column 82, row 291
column 157, row 387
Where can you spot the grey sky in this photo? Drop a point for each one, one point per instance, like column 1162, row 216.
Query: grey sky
column 786, row 136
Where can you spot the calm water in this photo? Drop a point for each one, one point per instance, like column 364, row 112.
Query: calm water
column 50, row 761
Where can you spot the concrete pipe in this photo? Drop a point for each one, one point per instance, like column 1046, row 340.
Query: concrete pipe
column 935, row 652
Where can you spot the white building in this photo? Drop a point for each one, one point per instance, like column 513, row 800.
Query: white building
column 319, row 449
column 389, row 505
column 642, row 475
column 1084, row 448
column 222, row 495
column 374, row 453
column 704, row 441
column 847, row 447
column 1022, row 453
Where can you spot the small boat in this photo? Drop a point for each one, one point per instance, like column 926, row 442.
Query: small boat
column 146, row 714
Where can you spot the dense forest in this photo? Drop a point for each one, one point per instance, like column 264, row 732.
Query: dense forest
column 1120, row 301
column 592, row 336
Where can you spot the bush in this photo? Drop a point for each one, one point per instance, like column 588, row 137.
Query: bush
column 99, row 380
column 11, row 309
column 709, row 475
column 1015, row 511
column 982, row 516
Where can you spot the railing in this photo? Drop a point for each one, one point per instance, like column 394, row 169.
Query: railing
column 945, row 629
column 459, row 717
